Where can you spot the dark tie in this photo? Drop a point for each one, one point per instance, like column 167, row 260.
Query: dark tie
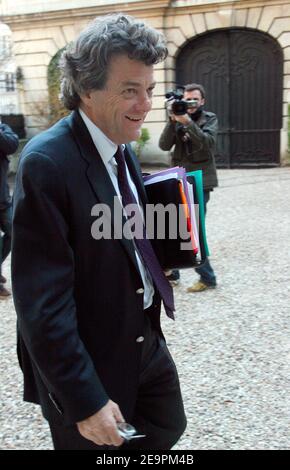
column 142, row 243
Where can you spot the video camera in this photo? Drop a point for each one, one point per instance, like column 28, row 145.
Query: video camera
column 175, row 104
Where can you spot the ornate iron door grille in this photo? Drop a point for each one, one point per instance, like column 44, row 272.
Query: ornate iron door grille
column 242, row 71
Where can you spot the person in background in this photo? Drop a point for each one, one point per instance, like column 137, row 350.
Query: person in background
column 193, row 136
column 90, row 342
column 8, row 145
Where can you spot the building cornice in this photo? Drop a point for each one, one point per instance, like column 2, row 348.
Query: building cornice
column 147, row 7
column 223, row 5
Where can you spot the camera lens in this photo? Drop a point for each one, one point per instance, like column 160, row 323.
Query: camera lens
column 179, row 107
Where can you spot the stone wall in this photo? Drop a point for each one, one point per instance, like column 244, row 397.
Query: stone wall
column 38, row 37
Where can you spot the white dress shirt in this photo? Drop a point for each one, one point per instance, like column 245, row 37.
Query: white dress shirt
column 107, row 150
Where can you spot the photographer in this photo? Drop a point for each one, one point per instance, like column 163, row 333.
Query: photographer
column 193, row 135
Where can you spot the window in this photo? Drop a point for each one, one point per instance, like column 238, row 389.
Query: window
column 7, row 82
column 10, row 81
column 5, row 47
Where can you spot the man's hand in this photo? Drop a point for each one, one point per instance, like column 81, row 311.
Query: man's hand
column 183, row 119
column 101, row 428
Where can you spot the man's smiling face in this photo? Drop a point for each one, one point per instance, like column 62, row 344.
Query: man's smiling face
column 120, row 109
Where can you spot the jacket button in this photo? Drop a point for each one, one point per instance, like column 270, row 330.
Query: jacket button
column 140, row 339
column 140, row 291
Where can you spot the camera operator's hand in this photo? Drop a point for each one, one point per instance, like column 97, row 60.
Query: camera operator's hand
column 172, row 117
column 183, row 118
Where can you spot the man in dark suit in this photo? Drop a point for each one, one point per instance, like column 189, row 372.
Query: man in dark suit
column 90, row 343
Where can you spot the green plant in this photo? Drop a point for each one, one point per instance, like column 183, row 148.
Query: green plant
column 19, row 76
column 142, row 142
column 56, row 107
column 48, row 109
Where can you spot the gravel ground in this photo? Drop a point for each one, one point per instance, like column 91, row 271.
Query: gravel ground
column 231, row 345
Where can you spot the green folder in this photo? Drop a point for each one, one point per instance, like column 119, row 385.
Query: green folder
column 197, row 175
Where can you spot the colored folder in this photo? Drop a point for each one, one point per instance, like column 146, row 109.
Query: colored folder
column 195, row 178
column 182, row 249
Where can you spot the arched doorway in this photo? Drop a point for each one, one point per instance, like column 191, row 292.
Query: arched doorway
column 242, row 71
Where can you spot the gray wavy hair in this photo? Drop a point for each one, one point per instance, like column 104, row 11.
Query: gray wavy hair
column 84, row 62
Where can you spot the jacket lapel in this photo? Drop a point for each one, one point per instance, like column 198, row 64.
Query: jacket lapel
column 202, row 119
column 98, row 176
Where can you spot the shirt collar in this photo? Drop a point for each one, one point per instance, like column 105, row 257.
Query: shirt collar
column 104, row 145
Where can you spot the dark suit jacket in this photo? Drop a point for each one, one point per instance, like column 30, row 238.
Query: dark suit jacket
column 8, row 145
column 77, row 301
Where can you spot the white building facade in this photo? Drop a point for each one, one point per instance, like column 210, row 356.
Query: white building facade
column 9, row 102
column 193, row 28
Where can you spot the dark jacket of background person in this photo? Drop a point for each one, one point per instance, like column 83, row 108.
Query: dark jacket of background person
column 197, row 153
column 8, row 145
